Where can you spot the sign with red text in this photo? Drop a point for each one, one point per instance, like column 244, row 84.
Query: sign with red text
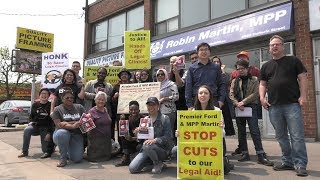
column 137, row 49
column 137, row 92
column 34, row 40
column 53, row 66
column 200, row 145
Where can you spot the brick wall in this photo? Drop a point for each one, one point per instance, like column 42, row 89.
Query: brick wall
column 108, row 7
column 304, row 52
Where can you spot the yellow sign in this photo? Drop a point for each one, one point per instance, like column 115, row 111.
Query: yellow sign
column 91, row 72
column 200, row 149
column 112, row 74
column 34, row 40
column 137, row 49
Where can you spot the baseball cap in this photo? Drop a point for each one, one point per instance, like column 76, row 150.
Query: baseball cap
column 244, row 53
column 153, row 100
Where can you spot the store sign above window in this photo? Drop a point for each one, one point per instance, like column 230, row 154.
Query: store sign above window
column 269, row 21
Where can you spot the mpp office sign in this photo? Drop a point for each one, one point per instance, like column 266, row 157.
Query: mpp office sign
column 34, row 40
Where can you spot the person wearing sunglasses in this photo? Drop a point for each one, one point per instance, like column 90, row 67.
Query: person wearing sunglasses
column 67, row 135
column 168, row 95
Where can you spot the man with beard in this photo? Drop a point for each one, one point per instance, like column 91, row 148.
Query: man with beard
column 284, row 78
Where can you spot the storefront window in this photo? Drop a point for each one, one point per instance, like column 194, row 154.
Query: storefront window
column 224, row 7
column 194, row 12
column 135, row 19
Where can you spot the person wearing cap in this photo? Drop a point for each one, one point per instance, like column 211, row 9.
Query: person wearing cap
column 157, row 149
column 253, row 71
column 40, row 124
column 67, row 135
column 124, row 76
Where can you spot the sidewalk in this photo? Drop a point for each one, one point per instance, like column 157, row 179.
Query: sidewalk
column 35, row 168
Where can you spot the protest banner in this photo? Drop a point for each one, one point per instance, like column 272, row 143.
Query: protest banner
column 138, row 92
column 137, row 49
column 91, row 72
column 53, row 66
column 200, row 145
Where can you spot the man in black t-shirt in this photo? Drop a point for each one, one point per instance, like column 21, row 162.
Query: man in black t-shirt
column 279, row 78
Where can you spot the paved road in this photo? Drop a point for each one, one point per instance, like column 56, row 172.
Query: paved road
column 35, row 168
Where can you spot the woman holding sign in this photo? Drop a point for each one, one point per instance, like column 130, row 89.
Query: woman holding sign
column 99, row 138
column 204, row 101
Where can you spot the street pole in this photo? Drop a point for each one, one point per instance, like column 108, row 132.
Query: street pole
column 33, row 88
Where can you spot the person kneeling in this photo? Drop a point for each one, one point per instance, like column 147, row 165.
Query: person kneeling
column 67, row 135
column 155, row 150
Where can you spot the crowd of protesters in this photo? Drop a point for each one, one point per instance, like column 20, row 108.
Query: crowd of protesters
column 57, row 122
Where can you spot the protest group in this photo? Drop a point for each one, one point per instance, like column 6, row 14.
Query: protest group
column 149, row 117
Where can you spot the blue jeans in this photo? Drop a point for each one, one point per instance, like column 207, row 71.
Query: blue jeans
column 70, row 144
column 46, row 146
column 254, row 131
column 148, row 155
column 289, row 117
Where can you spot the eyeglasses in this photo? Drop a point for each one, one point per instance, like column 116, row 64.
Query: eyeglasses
column 204, row 49
column 160, row 74
column 275, row 44
column 70, row 97
column 241, row 69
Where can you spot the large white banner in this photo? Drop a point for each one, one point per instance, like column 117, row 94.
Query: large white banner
column 53, row 66
column 137, row 92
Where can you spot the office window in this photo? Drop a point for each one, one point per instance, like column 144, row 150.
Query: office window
column 109, row 33
column 117, row 26
column 253, row 3
column 135, row 19
column 167, row 12
column 194, row 12
column 224, row 7
column 100, row 36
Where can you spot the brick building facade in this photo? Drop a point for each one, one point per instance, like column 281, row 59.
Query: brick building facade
column 299, row 38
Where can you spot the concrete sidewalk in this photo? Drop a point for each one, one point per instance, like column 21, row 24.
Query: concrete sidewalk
column 35, row 168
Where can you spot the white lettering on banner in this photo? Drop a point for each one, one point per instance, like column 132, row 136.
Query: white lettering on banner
column 104, row 60
column 255, row 21
column 180, row 42
column 222, row 31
